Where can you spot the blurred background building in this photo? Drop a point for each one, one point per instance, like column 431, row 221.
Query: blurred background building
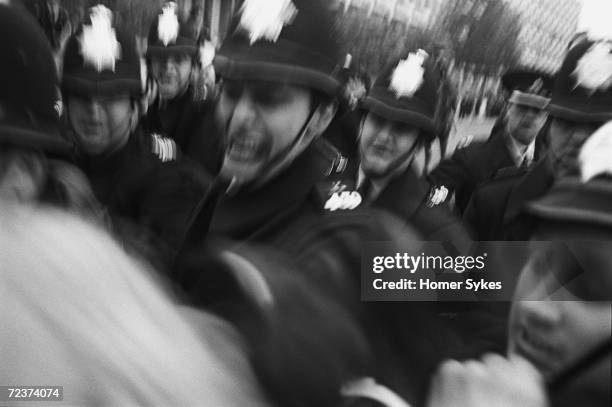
column 418, row 13
column 474, row 40
column 547, row 27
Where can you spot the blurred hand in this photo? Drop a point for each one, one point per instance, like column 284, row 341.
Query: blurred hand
column 464, row 142
column 493, row 382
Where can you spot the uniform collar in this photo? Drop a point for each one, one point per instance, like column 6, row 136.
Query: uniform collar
column 249, row 211
column 377, row 184
column 519, row 153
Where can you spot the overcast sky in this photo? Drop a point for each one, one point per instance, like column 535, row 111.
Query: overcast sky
column 596, row 18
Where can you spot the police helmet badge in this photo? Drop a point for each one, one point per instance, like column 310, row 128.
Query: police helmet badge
column 436, row 196
column 407, row 78
column 594, row 70
column 340, row 197
column 168, row 24
column 99, row 45
column 265, row 19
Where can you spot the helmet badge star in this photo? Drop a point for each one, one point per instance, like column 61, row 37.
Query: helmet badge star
column 407, row 78
column 594, row 70
column 99, row 45
column 168, row 24
column 265, row 19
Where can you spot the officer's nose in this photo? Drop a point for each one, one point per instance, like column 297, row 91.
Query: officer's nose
column 245, row 110
column 168, row 65
column 384, row 134
column 95, row 108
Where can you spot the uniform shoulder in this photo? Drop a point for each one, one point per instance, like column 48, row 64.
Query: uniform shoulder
column 474, row 149
column 334, row 163
column 164, row 148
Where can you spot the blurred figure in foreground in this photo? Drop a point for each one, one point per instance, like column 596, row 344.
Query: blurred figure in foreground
column 560, row 328
column 34, row 158
column 305, row 341
column 78, row 312
column 55, row 22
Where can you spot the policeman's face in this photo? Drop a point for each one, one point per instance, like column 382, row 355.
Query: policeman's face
column 383, row 143
column 524, row 122
column 101, row 124
column 172, row 74
column 554, row 318
column 22, row 175
column 261, row 120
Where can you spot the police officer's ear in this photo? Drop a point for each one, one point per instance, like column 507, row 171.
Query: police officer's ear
column 323, row 115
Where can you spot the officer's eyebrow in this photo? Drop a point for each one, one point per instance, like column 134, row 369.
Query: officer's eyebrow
column 266, row 86
column 270, row 91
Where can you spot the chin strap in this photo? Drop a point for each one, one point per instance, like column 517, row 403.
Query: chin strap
column 283, row 157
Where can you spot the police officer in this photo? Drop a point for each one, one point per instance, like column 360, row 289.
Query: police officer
column 399, row 119
column 581, row 102
column 133, row 174
column 277, row 99
column 172, row 57
column 510, row 145
column 35, row 160
column 279, row 184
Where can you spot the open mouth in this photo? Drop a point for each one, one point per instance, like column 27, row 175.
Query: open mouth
column 245, row 150
column 382, row 151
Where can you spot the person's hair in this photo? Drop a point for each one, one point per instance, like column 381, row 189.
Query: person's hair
column 81, row 313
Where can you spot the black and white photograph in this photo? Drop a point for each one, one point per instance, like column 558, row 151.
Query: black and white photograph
column 306, row 203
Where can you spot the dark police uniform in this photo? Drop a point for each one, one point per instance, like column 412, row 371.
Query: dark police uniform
column 470, row 166
column 141, row 187
column 578, row 214
column 494, row 211
column 178, row 119
column 478, row 163
column 408, row 197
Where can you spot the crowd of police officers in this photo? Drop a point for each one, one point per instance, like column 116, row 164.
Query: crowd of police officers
column 253, row 192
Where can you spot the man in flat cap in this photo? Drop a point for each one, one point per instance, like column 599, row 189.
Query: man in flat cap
column 511, row 144
column 581, row 102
